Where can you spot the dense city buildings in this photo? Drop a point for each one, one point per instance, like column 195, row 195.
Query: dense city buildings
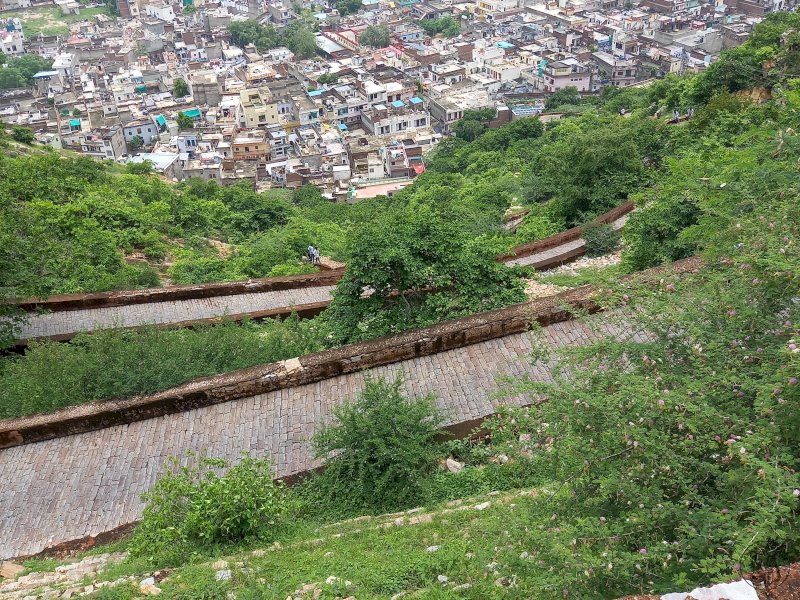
column 344, row 97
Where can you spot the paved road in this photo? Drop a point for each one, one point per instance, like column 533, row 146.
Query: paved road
column 173, row 311
column 67, row 488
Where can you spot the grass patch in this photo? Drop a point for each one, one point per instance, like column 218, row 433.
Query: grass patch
column 50, row 21
column 587, row 276
column 113, row 364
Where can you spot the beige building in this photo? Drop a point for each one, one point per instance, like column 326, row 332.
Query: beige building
column 258, row 108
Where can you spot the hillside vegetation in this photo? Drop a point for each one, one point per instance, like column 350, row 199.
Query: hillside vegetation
column 660, row 461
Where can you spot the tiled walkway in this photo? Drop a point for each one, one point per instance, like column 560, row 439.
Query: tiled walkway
column 173, row 311
column 546, row 255
column 67, row 488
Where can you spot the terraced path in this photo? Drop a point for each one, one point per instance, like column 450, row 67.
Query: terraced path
column 566, row 251
column 64, row 324
column 70, row 487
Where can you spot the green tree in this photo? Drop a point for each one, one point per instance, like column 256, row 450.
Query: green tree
column 348, row 7
column 327, row 78
column 375, row 36
column 447, row 26
column 468, row 129
column 379, row 450
column 24, row 135
column 184, row 121
column 300, row 40
column 11, row 79
column 413, row 268
column 136, row 142
column 180, row 89
column 250, row 31
column 565, row 96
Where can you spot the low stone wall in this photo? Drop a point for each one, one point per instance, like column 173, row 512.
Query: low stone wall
column 180, row 292
column 313, row 367
column 565, row 236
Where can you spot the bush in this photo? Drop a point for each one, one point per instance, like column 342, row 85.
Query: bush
column 23, row 135
column 113, row 364
column 601, row 238
column 195, row 507
column 379, row 451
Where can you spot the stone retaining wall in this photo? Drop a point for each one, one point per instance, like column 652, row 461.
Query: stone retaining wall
column 312, row 368
column 565, row 236
column 180, row 292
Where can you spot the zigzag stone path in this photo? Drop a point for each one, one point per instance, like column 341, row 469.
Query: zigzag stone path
column 68, row 323
column 546, row 255
column 71, row 487
column 173, row 311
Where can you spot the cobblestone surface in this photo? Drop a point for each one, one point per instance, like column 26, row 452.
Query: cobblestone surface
column 157, row 313
column 562, row 249
column 67, row 488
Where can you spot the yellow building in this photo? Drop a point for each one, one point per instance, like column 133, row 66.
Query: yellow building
column 258, row 108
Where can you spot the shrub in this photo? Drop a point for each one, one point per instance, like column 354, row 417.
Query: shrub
column 379, row 451
column 195, row 507
column 601, row 238
column 23, row 135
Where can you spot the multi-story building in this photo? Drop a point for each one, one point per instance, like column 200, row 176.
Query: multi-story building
column 257, row 108
column 103, row 143
column 568, row 72
column 250, row 145
column 145, row 129
column 395, row 118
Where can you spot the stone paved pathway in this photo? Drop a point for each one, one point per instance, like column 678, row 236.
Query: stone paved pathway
column 158, row 313
column 68, row 323
column 538, row 257
column 67, row 488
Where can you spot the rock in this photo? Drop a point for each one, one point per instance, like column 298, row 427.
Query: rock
column 737, row 590
column 453, row 465
column 223, row 575
column 10, row 570
column 327, row 554
column 431, row 548
column 148, row 581
column 463, row 586
column 442, row 579
column 259, row 553
column 500, row 459
column 482, row 506
column 150, row 590
column 219, row 565
column 524, row 555
column 419, row 519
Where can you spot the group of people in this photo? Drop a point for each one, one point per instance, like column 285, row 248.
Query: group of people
column 676, row 116
column 313, row 255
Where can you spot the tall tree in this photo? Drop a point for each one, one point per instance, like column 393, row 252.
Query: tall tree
column 181, row 88
column 375, row 36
